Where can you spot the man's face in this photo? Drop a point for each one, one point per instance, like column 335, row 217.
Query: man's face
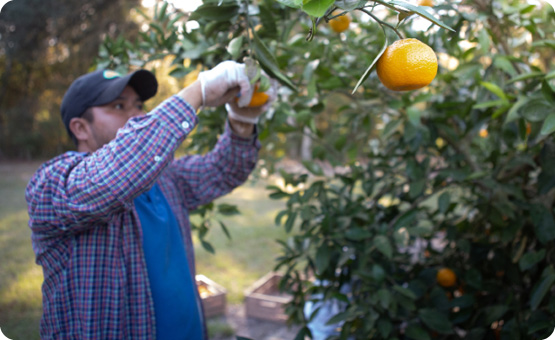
column 107, row 119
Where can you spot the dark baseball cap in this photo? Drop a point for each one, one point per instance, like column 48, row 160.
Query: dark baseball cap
column 102, row 87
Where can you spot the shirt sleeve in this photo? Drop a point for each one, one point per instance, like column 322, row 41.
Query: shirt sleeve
column 203, row 178
column 76, row 191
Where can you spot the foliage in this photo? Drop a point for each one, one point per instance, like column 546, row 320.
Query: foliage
column 398, row 185
column 44, row 46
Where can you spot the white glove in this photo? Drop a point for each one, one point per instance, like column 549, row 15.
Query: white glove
column 251, row 114
column 217, row 83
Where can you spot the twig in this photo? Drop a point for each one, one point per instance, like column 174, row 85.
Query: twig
column 382, row 22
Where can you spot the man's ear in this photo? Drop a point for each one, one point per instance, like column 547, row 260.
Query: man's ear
column 80, row 128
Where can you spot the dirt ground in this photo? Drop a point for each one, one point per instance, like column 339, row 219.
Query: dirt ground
column 255, row 329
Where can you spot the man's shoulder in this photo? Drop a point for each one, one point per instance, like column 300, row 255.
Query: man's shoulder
column 59, row 163
column 69, row 157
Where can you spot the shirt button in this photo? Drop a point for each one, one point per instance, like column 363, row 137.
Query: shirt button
column 157, row 158
column 185, row 125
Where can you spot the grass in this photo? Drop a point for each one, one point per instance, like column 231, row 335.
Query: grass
column 237, row 264
column 252, row 249
column 20, row 277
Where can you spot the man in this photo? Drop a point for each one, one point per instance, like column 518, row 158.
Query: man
column 110, row 222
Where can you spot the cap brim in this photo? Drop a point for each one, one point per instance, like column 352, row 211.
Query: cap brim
column 142, row 81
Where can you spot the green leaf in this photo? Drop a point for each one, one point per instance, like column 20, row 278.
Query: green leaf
column 548, row 125
column 313, row 167
column 405, row 292
column 162, row 12
column 477, row 333
column 490, row 103
column 378, row 273
column 269, row 27
column 421, row 11
column 465, row 301
column 484, row 41
column 493, row 88
column 357, row 234
column 514, row 110
column 157, row 28
column 366, row 73
column 473, row 278
column 302, row 334
column 384, row 297
column 417, row 333
column 234, row 47
column 529, row 259
column 207, row 246
column 340, row 317
column 279, row 195
column 417, row 188
column 211, row 11
column 526, row 76
column 177, row 17
column 290, row 221
column 323, row 255
column 291, row 3
column 414, row 115
column 279, row 217
column 228, row 209
column 477, row 175
column 390, row 128
column 317, row 8
column 225, row 230
column 535, row 109
column 436, row 320
column 143, row 14
column 542, row 287
column 544, row 224
column 382, row 243
column 494, row 313
column 384, row 327
column 504, row 63
column 547, row 158
column 443, row 202
column 268, row 62
column 406, row 219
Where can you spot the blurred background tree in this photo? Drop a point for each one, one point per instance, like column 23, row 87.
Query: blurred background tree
column 44, row 46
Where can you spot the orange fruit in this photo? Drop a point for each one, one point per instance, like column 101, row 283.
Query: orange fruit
column 203, row 291
column 483, row 132
column 446, row 277
column 341, row 23
column 258, row 98
column 407, row 64
column 428, row 3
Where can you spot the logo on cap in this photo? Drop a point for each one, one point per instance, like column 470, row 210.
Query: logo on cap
column 109, row 74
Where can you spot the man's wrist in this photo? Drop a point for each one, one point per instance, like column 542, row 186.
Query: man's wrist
column 241, row 129
column 192, row 94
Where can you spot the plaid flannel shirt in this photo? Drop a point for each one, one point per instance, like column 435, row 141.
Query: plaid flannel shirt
column 86, row 233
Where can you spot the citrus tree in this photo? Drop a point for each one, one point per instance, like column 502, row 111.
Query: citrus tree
column 424, row 212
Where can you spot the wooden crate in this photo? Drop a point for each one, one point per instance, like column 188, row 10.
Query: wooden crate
column 263, row 299
column 213, row 296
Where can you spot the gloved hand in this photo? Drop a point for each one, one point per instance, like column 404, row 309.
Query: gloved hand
column 249, row 114
column 223, row 82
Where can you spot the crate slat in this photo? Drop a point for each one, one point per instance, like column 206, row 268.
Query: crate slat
column 264, row 301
